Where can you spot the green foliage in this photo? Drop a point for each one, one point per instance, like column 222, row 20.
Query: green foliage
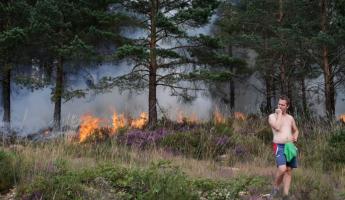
column 265, row 135
column 8, row 169
column 160, row 181
column 198, row 143
column 335, row 147
column 229, row 189
column 309, row 186
column 131, row 51
column 210, row 75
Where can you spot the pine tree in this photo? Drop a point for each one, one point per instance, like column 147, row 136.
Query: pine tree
column 162, row 56
column 14, row 25
column 68, row 32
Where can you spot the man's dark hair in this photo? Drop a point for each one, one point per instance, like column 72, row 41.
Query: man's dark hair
column 286, row 98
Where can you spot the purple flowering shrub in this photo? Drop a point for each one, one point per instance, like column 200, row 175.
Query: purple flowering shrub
column 142, row 138
column 198, row 143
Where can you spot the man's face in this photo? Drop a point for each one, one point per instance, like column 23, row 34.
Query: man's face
column 282, row 104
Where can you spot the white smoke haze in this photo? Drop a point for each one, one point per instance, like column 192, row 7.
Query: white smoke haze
column 33, row 110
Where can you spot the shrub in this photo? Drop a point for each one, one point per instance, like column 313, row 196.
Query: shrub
column 198, row 143
column 141, row 138
column 8, row 165
column 229, row 189
column 309, row 186
column 335, row 148
column 265, row 135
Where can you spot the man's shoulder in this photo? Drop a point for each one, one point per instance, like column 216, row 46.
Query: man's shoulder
column 290, row 117
column 272, row 115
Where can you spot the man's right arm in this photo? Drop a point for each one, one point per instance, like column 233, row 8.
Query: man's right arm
column 275, row 122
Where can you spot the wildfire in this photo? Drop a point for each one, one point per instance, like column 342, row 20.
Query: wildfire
column 218, row 117
column 87, row 127
column 90, row 123
column 342, row 118
column 141, row 121
column 119, row 121
column 240, row 116
column 183, row 118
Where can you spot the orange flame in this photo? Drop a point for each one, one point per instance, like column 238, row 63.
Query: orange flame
column 88, row 125
column 182, row 118
column 218, row 117
column 342, row 118
column 240, row 116
column 119, row 121
column 141, row 121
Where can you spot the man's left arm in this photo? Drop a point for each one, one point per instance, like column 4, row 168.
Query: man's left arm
column 295, row 131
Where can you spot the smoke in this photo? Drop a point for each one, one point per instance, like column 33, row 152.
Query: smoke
column 33, row 110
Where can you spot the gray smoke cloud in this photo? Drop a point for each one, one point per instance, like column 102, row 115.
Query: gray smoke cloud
column 33, row 110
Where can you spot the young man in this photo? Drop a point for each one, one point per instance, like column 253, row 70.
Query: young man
column 284, row 130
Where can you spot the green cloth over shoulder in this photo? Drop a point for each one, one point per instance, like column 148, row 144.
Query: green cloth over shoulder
column 290, row 151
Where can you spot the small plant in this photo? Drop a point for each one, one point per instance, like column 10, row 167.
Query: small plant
column 265, row 135
column 199, row 143
column 309, row 186
column 8, row 168
column 335, row 150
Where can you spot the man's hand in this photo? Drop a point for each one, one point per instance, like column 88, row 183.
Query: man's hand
column 278, row 111
column 294, row 138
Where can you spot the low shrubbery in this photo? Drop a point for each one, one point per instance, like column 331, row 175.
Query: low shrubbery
column 117, row 167
column 8, row 170
column 312, row 185
column 160, row 181
column 335, row 147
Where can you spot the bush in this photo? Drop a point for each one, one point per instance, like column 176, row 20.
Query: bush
column 160, row 181
column 230, row 189
column 311, row 186
column 265, row 135
column 8, row 166
column 335, row 148
column 198, row 143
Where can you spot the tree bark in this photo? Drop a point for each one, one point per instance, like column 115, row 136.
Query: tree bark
column 232, row 82
column 6, row 93
column 304, row 97
column 153, row 67
column 232, row 94
column 327, row 68
column 58, row 94
column 290, row 95
column 268, row 107
column 283, row 78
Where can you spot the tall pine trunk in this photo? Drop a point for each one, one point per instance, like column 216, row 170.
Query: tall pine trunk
column 268, row 107
column 153, row 67
column 232, row 82
column 304, row 98
column 268, row 81
column 58, row 94
column 290, row 95
column 283, row 78
column 327, row 68
column 232, row 93
column 6, row 93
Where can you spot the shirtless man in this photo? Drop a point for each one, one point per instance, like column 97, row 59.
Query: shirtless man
column 284, row 130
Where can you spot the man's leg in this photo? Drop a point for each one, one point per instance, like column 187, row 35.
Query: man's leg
column 287, row 180
column 279, row 175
